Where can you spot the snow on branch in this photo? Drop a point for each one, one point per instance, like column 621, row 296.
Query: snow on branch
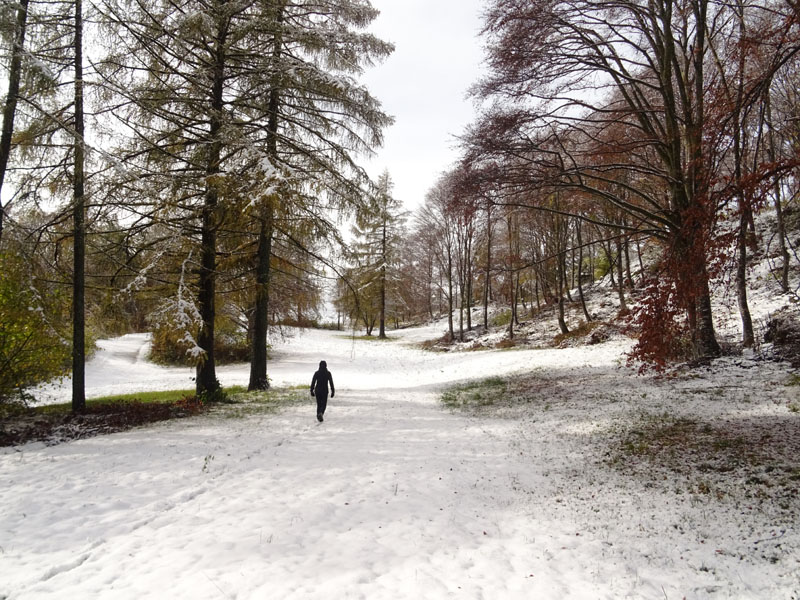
column 181, row 313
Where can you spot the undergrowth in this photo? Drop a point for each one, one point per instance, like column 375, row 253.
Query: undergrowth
column 582, row 330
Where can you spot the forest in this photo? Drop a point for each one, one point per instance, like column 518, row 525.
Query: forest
column 196, row 170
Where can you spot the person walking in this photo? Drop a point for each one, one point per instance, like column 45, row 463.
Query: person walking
column 319, row 388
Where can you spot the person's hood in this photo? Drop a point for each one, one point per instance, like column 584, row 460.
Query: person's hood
column 323, row 366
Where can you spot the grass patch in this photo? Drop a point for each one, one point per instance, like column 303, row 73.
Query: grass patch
column 739, row 461
column 368, row 338
column 671, row 442
column 501, row 396
column 506, row 344
column 244, row 404
column 56, row 423
column 155, row 397
column 477, row 394
column 436, row 345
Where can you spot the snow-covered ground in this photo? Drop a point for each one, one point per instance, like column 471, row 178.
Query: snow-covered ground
column 393, row 496
column 120, row 365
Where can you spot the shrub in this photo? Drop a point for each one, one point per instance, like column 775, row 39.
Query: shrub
column 173, row 343
column 501, row 319
column 31, row 349
column 601, row 266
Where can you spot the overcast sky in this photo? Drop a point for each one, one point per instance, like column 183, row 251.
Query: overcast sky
column 423, row 85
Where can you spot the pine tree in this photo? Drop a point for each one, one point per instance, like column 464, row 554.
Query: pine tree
column 378, row 234
column 240, row 109
column 319, row 119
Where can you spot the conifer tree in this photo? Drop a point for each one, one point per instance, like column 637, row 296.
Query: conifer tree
column 240, row 109
column 378, row 234
column 319, row 119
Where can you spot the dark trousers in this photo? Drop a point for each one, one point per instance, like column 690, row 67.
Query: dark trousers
column 322, row 403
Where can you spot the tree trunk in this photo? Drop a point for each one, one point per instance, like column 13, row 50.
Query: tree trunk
column 511, row 283
column 607, row 249
column 9, row 110
column 79, row 234
column 258, row 358
column 706, row 337
column 382, row 330
column 776, row 191
column 513, row 318
column 562, row 323
column 586, row 314
column 745, row 208
column 258, row 349
column 461, row 313
column 623, row 307
column 430, row 287
column 450, row 292
column 563, row 260
column 748, row 336
column 626, row 243
column 488, row 268
column 469, row 283
column 206, row 378
column 639, row 256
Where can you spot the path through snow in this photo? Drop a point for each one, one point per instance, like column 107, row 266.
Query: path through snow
column 391, row 497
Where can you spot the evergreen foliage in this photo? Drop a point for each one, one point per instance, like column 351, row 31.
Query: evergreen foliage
column 378, row 234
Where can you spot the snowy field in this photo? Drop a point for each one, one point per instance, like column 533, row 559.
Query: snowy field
column 394, row 496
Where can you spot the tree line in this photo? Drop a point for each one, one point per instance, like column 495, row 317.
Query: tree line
column 187, row 170
column 637, row 140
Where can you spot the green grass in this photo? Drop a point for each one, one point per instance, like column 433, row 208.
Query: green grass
column 243, row 403
column 121, row 412
column 151, row 397
column 476, row 394
column 368, row 338
column 162, row 397
column 239, row 402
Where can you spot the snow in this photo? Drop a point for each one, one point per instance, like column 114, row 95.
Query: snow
column 393, row 496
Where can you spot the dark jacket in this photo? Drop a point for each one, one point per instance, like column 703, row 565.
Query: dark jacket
column 320, row 381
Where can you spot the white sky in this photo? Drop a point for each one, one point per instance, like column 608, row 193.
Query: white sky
column 423, row 85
